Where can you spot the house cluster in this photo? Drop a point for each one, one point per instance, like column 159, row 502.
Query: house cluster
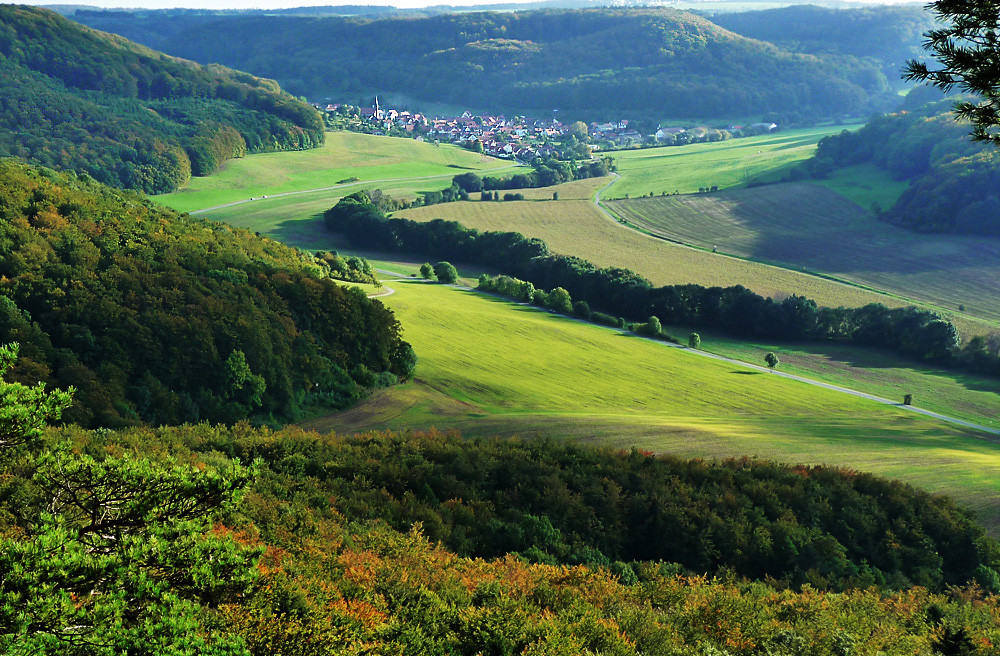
column 618, row 133
column 519, row 138
column 499, row 136
column 386, row 119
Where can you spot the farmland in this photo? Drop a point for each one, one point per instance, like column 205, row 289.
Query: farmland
column 536, row 373
column 345, row 155
column 732, row 163
column 804, row 226
column 547, row 374
column 574, row 226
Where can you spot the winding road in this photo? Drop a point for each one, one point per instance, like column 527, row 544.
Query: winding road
column 597, row 201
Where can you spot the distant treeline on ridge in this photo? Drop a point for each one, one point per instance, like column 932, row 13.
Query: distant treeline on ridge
column 76, row 99
column 610, row 62
column 954, row 182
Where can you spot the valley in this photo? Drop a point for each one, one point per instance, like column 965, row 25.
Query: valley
column 640, row 383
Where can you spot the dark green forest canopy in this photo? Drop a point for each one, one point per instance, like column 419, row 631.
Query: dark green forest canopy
column 556, row 502
column 889, row 35
column 954, row 182
column 162, row 318
column 595, row 62
column 77, row 99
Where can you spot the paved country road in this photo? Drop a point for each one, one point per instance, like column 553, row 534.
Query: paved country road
column 809, row 381
column 345, row 185
column 770, row 372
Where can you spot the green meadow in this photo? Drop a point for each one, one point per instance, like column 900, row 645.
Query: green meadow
column 949, row 392
column 345, row 155
column 492, row 367
column 731, row 163
column 488, row 366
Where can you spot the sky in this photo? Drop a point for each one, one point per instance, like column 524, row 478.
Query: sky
column 262, row 4
column 288, row 4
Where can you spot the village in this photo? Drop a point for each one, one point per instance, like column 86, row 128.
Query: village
column 521, row 138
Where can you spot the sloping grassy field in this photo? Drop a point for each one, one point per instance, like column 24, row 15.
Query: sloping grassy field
column 873, row 371
column 344, row 155
column 809, row 227
column 488, row 366
column 731, row 163
column 574, row 226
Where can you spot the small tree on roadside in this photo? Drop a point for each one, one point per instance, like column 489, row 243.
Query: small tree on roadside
column 555, row 195
column 907, row 399
column 559, row 300
column 694, row 340
column 426, row 271
column 655, row 327
column 771, row 360
column 445, row 272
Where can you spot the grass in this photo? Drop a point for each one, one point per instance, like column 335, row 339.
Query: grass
column 574, row 226
column 808, row 227
column 492, row 367
column 953, row 393
column 865, row 185
column 731, row 163
column 345, row 155
column 273, row 215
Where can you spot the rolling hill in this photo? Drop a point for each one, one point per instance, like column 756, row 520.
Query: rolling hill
column 76, row 99
column 162, row 318
column 951, row 180
column 889, row 35
column 639, row 62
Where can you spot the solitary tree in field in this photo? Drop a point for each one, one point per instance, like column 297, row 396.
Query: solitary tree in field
column 771, row 360
column 445, row 272
column 426, row 271
column 555, row 195
column 967, row 48
column 694, row 340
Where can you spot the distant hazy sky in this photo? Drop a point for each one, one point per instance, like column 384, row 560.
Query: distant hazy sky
column 258, row 4
column 287, row 4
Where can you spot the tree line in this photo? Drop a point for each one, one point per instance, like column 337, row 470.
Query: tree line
column 599, row 62
column 953, row 181
column 76, row 99
column 163, row 318
column 240, row 541
column 735, row 310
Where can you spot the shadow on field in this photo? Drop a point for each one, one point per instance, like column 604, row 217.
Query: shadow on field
column 307, row 234
column 864, row 358
column 746, row 373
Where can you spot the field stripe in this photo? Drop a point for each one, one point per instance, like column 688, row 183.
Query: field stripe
column 255, row 199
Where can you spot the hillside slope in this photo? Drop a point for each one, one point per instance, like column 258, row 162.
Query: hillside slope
column 74, row 98
column 953, row 180
column 160, row 318
column 654, row 62
column 888, row 34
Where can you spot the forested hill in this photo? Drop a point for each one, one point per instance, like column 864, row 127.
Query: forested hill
column 161, row 318
column 74, row 98
column 954, row 181
column 589, row 63
column 889, row 35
